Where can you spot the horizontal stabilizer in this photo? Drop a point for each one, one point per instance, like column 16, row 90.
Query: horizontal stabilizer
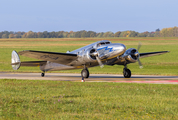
column 33, row 63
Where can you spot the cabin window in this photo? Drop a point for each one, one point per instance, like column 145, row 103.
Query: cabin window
column 107, row 42
column 102, row 43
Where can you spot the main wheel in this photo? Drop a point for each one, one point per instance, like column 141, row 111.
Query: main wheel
column 42, row 74
column 126, row 73
column 85, row 73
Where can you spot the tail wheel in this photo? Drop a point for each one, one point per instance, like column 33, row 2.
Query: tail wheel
column 85, row 73
column 126, row 73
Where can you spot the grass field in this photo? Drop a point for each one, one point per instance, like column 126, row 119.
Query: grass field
column 166, row 64
column 25, row 99
column 20, row 99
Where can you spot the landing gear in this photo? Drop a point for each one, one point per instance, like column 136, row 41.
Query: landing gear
column 126, row 72
column 43, row 74
column 85, row 73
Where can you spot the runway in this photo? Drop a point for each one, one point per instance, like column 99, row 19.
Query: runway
column 93, row 78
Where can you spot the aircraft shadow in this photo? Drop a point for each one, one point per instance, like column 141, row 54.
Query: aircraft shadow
column 134, row 76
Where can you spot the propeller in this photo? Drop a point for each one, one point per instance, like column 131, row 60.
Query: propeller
column 99, row 62
column 140, row 64
column 97, row 58
column 137, row 54
column 139, row 46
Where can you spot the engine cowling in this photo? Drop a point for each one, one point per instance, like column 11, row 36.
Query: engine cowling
column 87, row 55
column 131, row 55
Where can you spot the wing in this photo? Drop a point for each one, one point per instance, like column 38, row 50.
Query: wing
column 62, row 58
column 142, row 55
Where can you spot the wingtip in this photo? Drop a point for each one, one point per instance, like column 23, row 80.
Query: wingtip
column 165, row 51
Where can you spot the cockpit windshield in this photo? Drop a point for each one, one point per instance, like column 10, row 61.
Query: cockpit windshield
column 103, row 43
column 107, row 42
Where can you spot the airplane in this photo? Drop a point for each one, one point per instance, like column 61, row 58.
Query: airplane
column 96, row 54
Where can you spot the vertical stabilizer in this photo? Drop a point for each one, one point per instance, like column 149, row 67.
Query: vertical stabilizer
column 15, row 60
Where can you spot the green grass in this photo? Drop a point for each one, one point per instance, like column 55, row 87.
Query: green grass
column 166, row 64
column 20, row 99
column 73, row 100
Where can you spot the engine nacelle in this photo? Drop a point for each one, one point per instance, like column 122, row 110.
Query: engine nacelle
column 131, row 55
column 88, row 57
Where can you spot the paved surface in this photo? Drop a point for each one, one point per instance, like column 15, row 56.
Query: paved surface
column 93, row 78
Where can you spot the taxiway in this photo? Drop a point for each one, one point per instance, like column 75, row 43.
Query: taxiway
column 92, row 78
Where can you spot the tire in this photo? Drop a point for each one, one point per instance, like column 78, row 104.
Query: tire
column 127, row 73
column 85, row 73
column 42, row 74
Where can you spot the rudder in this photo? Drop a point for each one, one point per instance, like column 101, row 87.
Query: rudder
column 15, row 60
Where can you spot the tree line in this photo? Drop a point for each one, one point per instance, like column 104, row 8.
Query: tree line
column 165, row 32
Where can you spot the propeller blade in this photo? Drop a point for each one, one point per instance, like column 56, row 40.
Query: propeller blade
column 140, row 64
column 99, row 62
column 139, row 46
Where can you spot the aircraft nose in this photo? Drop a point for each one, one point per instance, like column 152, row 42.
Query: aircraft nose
column 121, row 48
column 118, row 48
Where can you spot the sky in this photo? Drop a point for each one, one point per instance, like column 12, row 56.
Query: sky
column 89, row 15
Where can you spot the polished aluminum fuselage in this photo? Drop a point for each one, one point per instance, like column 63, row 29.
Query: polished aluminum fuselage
column 107, row 52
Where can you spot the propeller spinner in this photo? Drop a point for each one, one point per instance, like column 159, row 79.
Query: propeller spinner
column 97, row 58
